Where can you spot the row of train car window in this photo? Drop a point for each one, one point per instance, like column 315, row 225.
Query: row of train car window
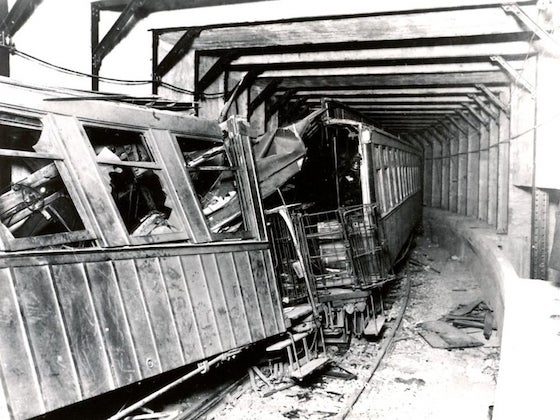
column 38, row 205
column 398, row 176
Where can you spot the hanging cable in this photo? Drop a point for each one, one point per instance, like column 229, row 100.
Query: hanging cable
column 113, row 80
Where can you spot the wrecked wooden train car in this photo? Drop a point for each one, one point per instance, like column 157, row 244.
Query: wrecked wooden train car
column 110, row 270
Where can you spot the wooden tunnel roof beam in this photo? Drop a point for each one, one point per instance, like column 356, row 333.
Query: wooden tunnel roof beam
column 213, row 72
column 396, row 92
column 176, row 53
column 516, row 48
column 408, row 80
column 264, row 95
column 450, row 23
column 405, row 69
column 405, row 99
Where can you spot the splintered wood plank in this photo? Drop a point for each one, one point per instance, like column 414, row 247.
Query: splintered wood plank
column 113, row 322
column 249, row 293
column 20, row 381
column 439, row 334
column 234, row 300
column 159, row 309
column 47, row 337
column 138, row 318
column 217, row 298
column 202, row 304
column 84, row 331
column 182, row 308
column 258, row 270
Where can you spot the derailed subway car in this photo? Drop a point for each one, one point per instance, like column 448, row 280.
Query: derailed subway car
column 111, row 267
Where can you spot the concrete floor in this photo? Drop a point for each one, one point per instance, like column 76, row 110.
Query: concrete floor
column 414, row 380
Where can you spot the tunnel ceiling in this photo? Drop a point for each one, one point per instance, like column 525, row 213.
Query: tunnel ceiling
column 407, row 67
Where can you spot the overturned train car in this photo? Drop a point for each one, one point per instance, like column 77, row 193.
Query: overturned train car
column 111, row 269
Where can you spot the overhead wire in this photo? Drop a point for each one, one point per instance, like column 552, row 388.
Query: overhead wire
column 113, row 80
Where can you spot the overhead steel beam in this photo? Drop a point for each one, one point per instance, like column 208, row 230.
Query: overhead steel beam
column 361, row 30
column 17, row 16
column 493, row 98
column 485, row 108
column 213, row 73
column 264, row 95
column 181, row 47
column 397, row 69
column 515, row 75
column 404, row 80
column 126, row 20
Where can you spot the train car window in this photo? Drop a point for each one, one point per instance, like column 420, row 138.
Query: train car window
column 215, row 179
column 137, row 183
column 36, row 208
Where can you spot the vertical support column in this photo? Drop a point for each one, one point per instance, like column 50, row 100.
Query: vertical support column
column 483, row 173
column 462, row 179
column 436, row 171
column 445, row 164
column 472, row 171
column 493, row 164
column 503, row 167
column 453, row 168
column 4, row 53
column 212, row 106
column 428, row 168
column 95, row 66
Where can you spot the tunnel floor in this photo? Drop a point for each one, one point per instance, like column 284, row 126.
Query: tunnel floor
column 413, row 380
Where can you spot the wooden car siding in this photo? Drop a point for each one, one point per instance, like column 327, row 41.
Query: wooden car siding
column 73, row 330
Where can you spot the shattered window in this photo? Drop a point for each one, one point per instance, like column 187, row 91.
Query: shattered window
column 214, row 178
column 34, row 201
column 136, row 181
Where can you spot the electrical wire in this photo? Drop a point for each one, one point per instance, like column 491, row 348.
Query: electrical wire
column 113, row 80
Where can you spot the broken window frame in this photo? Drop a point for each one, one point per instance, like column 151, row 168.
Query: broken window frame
column 159, row 168
column 47, row 141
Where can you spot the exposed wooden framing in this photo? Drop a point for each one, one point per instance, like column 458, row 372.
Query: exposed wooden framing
column 218, row 67
column 462, row 179
column 493, row 98
column 388, row 91
column 456, row 124
column 279, row 103
column 178, row 51
column 362, row 29
column 263, row 96
column 401, row 55
column 484, row 107
column 436, row 168
column 514, row 74
column 405, row 80
column 483, row 172
column 401, row 99
column 428, row 168
column 453, row 167
column 393, row 70
column 232, row 96
column 125, row 21
column 445, row 166
column 475, row 114
column 17, row 16
column 467, row 119
column 503, row 166
column 493, row 167
column 472, row 168
column 4, row 53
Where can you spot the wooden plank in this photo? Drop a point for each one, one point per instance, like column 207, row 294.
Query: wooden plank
column 202, row 305
column 138, row 318
column 427, row 173
column 436, row 172
column 453, row 168
column 216, row 294
column 83, row 328
column 19, row 378
column 181, row 305
column 483, row 174
column 445, row 169
column 258, row 271
column 250, row 296
column 235, row 306
column 161, row 316
column 503, row 167
column 458, row 23
column 273, row 288
column 442, row 335
column 47, row 337
column 114, row 324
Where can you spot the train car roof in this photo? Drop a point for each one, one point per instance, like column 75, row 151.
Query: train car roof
column 98, row 108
